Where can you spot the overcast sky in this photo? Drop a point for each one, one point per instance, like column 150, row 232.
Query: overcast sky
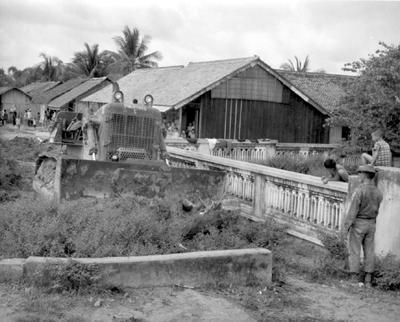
column 332, row 33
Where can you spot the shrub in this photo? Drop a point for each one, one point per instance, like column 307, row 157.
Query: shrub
column 334, row 263
column 71, row 276
column 9, row 177
column 387, row 274
column 336, row 245
column 346, row 149
column 312, row 164
column 119, row 227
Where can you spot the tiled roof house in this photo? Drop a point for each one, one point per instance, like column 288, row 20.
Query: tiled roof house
column 82, row 90
column 325, row 89
column 233, row 99
column 36, row 89
column 46, row 97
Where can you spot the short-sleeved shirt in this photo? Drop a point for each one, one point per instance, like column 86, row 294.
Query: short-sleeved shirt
column 384, row 154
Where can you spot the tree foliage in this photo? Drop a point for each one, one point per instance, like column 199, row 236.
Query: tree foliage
column 132, row 52
column 373, row 99
column 299, row 67
column 5, row 80
column 92, row 62
column 51, row 68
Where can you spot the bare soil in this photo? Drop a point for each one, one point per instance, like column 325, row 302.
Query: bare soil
column 295, row 299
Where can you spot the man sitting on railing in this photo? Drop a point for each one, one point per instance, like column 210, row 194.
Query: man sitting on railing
column 337, row 172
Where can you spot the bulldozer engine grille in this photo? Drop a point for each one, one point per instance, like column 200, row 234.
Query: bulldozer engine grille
column 133, row 133
column 125, row 154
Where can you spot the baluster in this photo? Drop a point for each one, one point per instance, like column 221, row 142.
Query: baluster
column 313, row 210
column 281, row 199
column 287, row 200
column 335, row 210
column 268, row 192
column 276, row 197
column 328, row 214
column 294, row 203
column 320, row 210
column 341, row 214
column 300, row 204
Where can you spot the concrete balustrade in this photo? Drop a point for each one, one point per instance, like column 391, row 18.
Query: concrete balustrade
column 261, row 151
column 300, row 200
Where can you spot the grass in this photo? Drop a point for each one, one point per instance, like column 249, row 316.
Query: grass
column 312, row 164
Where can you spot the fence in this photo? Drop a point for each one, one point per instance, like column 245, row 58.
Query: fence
column 302, row 201
column 262, row 150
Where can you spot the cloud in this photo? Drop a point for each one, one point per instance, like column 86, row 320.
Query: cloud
column 331, row 33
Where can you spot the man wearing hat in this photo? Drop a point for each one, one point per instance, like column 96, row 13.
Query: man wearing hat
column 360, row 223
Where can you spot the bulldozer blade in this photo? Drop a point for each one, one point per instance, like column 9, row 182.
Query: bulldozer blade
column 77, row 178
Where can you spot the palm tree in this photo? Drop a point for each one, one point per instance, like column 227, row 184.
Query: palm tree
column 132, row 52
column 299, row 67
column 51, row 68
column 91, row 62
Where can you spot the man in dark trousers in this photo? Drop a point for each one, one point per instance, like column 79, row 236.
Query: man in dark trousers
column 360, row 223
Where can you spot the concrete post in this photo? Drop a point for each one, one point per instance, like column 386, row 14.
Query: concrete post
column 203, row 147
column 259, row 198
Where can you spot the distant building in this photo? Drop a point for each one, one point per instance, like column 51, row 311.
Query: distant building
column 70, row 99
column 13, row 99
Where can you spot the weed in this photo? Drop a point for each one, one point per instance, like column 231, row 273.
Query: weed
column 312, row 164
column 387, row 275
column 335, row 244
column 72, row 276
column 119, row 227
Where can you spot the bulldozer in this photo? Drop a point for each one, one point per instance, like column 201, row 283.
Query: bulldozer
column 118, row 151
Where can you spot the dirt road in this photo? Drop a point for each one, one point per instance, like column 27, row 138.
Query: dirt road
column 297, row 300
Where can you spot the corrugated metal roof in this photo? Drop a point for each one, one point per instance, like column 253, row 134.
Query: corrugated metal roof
column 76, row 91
column 325, row 89
column 46, row 97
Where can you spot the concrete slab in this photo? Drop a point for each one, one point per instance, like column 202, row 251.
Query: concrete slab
column 11, row 269
column 243, row 266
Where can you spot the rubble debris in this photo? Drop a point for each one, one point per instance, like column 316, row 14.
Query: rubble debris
column 187, row 205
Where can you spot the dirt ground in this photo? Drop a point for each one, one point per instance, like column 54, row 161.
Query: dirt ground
column 295, row 300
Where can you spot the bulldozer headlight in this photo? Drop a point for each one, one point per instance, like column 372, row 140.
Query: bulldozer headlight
column 118, row 96
column 148, row 100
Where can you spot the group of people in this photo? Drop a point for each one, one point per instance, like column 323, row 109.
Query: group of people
column 3, row 117
column 360, row 222
column 27, row 118
column 173, row 128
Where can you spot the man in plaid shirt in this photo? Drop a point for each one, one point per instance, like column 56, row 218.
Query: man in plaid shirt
column 381, row 155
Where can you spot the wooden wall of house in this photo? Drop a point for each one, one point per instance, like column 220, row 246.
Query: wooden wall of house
column 83, row 105
column 77, row 100
column 294, row 121
column 14, row 99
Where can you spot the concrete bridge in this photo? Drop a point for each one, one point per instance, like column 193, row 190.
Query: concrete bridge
column 301, row 201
